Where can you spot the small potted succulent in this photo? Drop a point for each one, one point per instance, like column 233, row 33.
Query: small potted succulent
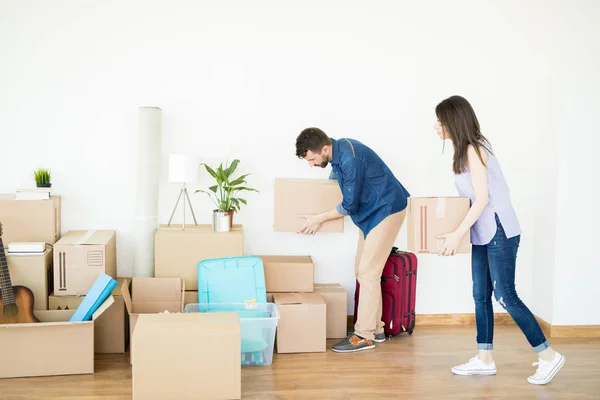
column 225, row 193
column 42, row 178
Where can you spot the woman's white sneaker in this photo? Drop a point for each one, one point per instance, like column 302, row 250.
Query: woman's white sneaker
column 546, row 369
column 475, row 367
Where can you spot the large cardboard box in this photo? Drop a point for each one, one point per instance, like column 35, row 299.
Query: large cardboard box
column 80, row 257
column 178, row 251
column 54, row 346
column 336, row 299
column 285, row 274
column 111, row 331
column 428, row 217
column 302, row 325
column 151, row 296
column 187, row 356
column 30, row 220
column 33, row 272
column 294, row 197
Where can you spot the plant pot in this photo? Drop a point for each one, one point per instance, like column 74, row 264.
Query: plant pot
column 43, row 185
column 221, row 221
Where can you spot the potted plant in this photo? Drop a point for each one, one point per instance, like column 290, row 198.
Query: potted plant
column 225, row 193
column 42, row 178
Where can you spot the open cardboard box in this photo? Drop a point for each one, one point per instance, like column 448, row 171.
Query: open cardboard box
column 111, row 331
column 151, row 296
column 54, row 346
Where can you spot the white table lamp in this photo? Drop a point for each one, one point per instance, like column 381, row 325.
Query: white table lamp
column 183, row 168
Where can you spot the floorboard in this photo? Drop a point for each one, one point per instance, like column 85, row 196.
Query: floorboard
column 408, row 367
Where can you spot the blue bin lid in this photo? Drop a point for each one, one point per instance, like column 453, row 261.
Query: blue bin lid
column 232, row 280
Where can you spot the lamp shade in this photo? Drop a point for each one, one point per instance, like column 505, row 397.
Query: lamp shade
column 183, row 168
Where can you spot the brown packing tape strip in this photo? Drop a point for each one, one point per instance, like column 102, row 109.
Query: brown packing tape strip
column 423, row 245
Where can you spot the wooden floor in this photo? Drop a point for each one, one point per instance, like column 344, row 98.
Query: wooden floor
column 408, row 367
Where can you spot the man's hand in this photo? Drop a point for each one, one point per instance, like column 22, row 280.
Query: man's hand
column 311, row 225
column 451, row 242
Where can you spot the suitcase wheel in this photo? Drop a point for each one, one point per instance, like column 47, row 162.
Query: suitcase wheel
column 410, row 332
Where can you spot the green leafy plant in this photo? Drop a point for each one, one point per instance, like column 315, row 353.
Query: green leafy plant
column 225, row 193
column 42, row 176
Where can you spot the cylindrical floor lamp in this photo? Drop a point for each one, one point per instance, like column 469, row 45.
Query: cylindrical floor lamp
column 146, row 201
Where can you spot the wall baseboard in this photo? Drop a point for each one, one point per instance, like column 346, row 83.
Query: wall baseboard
column 550, row 331
column 569, row 331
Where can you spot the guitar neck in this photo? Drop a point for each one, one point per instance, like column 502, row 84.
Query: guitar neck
column 8, row 296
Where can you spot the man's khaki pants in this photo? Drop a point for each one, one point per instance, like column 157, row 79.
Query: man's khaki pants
column 371, row 256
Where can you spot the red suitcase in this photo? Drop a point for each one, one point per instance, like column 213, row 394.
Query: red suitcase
column 398, row 291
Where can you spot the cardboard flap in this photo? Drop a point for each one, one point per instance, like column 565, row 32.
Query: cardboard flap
column 297, row 298
column 153, row 290
column 107, row 303
column 127, row 296
column 119, row 289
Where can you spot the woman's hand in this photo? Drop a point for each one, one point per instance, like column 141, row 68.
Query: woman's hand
column 451, row 243
column 312, row 225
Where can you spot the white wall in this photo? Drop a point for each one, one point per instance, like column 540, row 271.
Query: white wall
column 242, row 81
column 577, row 265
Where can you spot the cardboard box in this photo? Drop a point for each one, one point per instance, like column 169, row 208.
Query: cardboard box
column 428, row 217
column 151, row 296
column 30, row 220
column 111, row 331
column 178, row 252
column 34, row 272
column 190, row 297
column 294, row 197
column 187, row 356
column 80, row 257
column 336, row 299
column 286, row 274
column 302, row 325
column 54, row 346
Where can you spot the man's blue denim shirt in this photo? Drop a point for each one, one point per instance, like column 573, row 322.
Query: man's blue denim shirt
column 370, row 190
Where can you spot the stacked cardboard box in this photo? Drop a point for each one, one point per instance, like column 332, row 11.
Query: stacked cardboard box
column 310, row 313
column 178, row 251
column 80, row 257
column 31, row 221
column 33, row 271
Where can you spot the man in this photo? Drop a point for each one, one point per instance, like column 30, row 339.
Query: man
column 376, row 201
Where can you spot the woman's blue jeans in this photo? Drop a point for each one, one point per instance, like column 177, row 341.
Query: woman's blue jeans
column 493, row 269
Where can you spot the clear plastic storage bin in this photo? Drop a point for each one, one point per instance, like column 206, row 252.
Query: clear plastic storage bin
column 258, row 324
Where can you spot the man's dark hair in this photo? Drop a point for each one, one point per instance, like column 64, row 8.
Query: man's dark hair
column 312, row 139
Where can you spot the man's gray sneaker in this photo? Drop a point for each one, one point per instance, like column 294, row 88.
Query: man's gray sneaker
column 353, row 343
column 379, row 338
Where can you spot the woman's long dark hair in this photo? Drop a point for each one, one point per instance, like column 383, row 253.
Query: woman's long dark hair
column 460, row 122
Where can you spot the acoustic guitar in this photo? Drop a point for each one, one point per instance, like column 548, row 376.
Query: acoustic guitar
column 16, row 302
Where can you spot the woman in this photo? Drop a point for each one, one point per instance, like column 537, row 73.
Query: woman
column 495, row 237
